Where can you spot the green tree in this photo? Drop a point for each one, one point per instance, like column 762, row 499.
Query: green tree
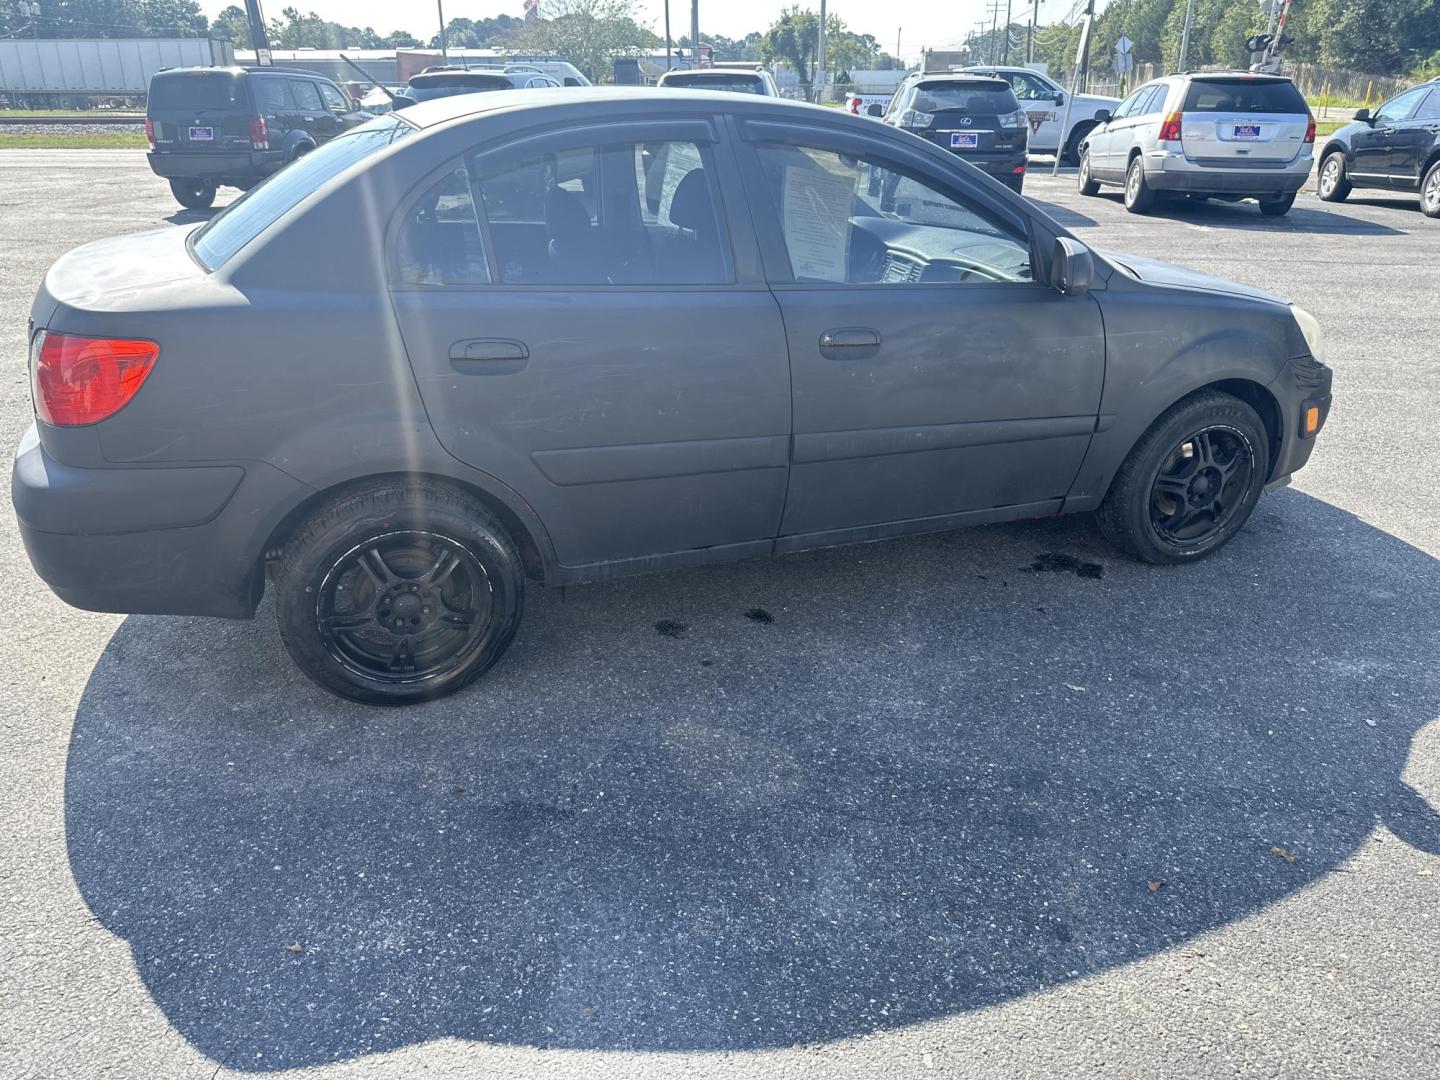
column 793, row 38
column 232, row 24
column 588, row 33
column 399, row 39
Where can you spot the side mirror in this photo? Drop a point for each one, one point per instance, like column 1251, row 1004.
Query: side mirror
column 1102, row 116
column 875, row 110
column 1072, row 267
column 1059, row 98
column 1363, row 116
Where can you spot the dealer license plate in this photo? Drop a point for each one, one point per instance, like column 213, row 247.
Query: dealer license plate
column 964, row 140
column 1247, row 131
column 202, row 134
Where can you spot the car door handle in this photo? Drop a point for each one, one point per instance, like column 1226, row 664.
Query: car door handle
column 1434, row 129
column 1387, row 131
column 481, row 351
column 849, row 337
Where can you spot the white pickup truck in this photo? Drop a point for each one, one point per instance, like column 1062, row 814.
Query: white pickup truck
column 1043, row 100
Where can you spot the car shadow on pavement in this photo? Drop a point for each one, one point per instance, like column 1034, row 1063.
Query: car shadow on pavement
column 757, row 805
column 1063, row 215
column 192, row 217
column 1246, row 216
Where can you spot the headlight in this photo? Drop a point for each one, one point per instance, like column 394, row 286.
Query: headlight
column 912, row 118
column 1310, row 329
column 1015, row 119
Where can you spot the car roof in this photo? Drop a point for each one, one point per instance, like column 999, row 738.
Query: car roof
column 661, row 104
column 1264, row 76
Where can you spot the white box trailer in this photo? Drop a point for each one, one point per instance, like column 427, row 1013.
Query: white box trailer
column 101, row 66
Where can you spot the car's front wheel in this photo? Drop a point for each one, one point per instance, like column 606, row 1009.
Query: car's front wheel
column 399, row 591
column 1430, row 191
column 1333, row 184
column 1139, row 196
column 193, row 193
column 1084, row 182
column 1191, row 481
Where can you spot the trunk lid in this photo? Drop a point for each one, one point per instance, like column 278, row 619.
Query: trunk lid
column 1242, row 119
column 207, row 110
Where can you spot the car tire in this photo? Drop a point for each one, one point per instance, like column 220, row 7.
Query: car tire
column 193, row 193
column 1139, row 196
column 1078, row 134
column 1332, row 182
column 301, row 149
column 1277, row 207
column 1084, row 182
column 1157, row 506
column 1430, row 191
column 398, row 591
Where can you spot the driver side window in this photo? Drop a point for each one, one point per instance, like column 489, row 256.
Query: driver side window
column 1401, row 107
column 867, row 221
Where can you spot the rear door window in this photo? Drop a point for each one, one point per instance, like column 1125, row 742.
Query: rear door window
column 306, row 96
column 274, row 97
column 1429, row 108
column 1244, row 96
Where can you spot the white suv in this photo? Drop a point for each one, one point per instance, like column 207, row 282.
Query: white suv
column 1043, row 100
column 1223, row 134
column 738, row 78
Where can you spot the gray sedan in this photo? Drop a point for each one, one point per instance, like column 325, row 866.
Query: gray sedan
column 562, row 335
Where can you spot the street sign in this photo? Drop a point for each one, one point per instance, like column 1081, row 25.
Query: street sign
column 1124, row 56
column 1124, row 46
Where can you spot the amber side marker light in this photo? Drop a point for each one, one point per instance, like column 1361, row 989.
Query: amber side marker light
column 1312, row 419
column 82, row 380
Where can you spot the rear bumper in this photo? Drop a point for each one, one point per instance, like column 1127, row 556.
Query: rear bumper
column 173, row 164
column 1175, row 172
column 153, row 541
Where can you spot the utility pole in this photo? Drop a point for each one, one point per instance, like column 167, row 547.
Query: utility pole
column 1084, row 58
column 1030, row 43
column 667, row 35
column 444, row 52
column 259, row 39
column 994, row 15
column 820, row 57
column 1007, row 31
column 1185, row 34
column 695, row 34
column 897, row 44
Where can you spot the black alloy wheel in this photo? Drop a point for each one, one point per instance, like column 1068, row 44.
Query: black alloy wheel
column 398, row 590
column 1201, row 486
column 1190, row 482
column 403, row 607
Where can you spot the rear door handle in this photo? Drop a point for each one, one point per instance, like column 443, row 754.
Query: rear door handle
column 849, row 337
column 473, row 354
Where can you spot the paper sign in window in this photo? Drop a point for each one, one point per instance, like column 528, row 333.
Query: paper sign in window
column 816, row 207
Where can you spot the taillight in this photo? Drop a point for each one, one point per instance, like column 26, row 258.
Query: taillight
column 854, row 106
column 150, row 132
column 1310, row 129
column 82, row 380
column 259, row 133
column 1170, row 128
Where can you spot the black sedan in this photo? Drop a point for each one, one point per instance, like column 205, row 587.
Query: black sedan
column 1395, row 149
column 568, row 335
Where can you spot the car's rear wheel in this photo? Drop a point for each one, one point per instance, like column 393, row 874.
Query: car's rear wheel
column 193, row 193
column 1139, row 197
column 1333, row 184
column 1277, row 207
column 399, row 591
column 1430, row 191
column 1191, row 481
column 1084, row 182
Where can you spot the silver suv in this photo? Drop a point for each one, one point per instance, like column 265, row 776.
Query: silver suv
column 1226, row 135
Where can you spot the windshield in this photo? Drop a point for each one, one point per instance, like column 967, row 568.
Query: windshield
column 1245, row 96
column 741, row 84
column 198, row 90
column 937, row 97
column 431, row 91
column 244, row 219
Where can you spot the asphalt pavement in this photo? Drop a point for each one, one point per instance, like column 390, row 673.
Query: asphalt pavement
column 998, row 803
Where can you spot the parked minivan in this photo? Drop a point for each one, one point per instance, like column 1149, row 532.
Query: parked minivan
column 233, row 126
column 1224, row 135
